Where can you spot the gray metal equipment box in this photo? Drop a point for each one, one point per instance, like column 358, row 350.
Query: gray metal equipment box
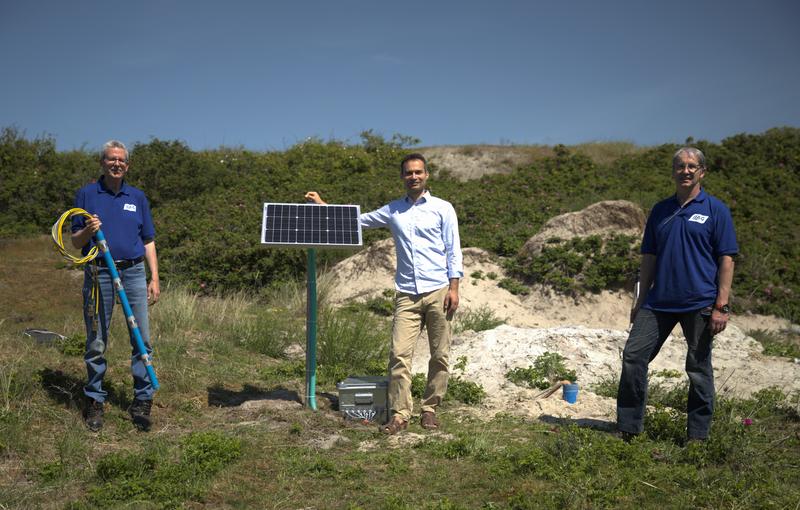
column 364, row 398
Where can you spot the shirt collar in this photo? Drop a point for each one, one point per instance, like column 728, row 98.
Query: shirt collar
column 102, row 188
column 422, row 198
column 699, row 198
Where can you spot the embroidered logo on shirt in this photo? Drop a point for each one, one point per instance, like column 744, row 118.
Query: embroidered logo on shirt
column 132, row 207
column 699, row 218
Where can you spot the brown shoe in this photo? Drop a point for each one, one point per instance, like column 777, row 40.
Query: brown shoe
column 429, row 421
column 394, row 426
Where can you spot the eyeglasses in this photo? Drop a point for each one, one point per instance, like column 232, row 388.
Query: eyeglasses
column 692, row 167
column 116, row 160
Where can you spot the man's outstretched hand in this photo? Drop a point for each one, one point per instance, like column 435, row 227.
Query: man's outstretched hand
column 313, row 196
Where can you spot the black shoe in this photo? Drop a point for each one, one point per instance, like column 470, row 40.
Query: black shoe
column 94, row 415
column 140, row 414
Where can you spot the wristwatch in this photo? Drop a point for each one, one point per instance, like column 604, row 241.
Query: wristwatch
column 726, row 309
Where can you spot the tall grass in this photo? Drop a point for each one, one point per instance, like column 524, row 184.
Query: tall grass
column 352, row 343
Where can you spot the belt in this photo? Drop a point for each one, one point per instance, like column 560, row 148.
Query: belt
column 121, row 264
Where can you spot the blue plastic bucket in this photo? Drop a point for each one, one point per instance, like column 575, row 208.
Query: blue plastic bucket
column 570, row 392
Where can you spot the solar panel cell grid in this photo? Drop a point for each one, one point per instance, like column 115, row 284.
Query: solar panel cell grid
column 311, row 225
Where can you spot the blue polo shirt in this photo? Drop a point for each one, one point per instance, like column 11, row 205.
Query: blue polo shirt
column 127, row 223
column 687, row 242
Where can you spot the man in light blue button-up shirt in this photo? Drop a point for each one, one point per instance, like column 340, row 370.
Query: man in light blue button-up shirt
column 429, row 268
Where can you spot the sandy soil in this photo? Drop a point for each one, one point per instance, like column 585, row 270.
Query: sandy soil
column 589, row 332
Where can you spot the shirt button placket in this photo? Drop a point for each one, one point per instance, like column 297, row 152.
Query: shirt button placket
column 412, row 235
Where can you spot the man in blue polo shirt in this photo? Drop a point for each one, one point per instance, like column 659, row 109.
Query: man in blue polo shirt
column 429, row 268
column 124, row 213
column 686, row 274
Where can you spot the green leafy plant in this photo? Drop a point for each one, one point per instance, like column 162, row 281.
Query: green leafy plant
column 458, row 389
column 777, row 344
column 381, row 306
column 546, row 369
column 513, row 286
column 152, row 476
column 73, row 345
column 464, row 391
column 581, row 264
column 480, row 319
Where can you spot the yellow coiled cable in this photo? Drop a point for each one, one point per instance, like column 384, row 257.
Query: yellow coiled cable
column 58, row 239
column 57, row 234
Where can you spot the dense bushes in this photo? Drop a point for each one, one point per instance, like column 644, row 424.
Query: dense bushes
column 582, row 263
column 207, row 204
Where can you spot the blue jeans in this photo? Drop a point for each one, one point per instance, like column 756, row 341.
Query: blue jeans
column 650, row 330
column 135, row 283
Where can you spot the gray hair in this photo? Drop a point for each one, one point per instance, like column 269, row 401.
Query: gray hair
column 113, row 144
column 691, row 151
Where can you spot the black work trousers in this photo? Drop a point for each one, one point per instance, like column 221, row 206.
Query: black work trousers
column 650, row 330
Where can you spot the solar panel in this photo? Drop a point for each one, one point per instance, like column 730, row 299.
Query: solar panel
column 308, row 225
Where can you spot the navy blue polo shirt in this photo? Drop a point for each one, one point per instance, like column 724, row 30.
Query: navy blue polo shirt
column 127, row 223
column 687, row 242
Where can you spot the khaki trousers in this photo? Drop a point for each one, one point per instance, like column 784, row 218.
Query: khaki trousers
column 411, row 314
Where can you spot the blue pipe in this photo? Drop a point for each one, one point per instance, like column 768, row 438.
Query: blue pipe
column 100, row 240
column 311, row 330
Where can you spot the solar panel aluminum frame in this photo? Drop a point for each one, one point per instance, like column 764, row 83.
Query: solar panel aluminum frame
column 297, row 227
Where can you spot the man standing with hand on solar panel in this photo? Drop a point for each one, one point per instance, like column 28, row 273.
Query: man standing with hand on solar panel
column 686, row 274
column 124, row 213
column 429, row 268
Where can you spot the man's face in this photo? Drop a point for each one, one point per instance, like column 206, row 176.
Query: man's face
column 687, row 172
column 114, row 163
column 415, row 177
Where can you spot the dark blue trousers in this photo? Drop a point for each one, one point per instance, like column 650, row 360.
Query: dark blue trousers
column 135, row 284
column 650, row 330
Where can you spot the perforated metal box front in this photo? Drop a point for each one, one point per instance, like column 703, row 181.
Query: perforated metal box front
column 364, row 398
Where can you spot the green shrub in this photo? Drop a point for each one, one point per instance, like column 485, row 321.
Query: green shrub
column 513, row 286
column 73, row 345
column 777, row 344
column 381, row 306
column 464, row 391
column 458, row 389
column 152, row 475
column 480, row 319
column 547, row 369
column 418, row 383
column 207, row 205
column 581, row 264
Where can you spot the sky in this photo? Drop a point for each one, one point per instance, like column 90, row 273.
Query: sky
column 266, row 75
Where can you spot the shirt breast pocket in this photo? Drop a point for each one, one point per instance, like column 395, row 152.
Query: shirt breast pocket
column 429, row 225
column 132, row 217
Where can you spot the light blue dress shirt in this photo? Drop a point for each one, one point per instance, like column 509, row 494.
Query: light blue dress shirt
column 426, row 242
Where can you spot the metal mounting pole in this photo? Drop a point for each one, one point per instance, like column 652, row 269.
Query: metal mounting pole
column 311, row 330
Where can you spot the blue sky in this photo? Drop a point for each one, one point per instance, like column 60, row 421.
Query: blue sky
column 266, row 75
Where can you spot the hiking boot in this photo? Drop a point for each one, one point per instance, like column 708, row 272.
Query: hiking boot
column 94, row 415
column 140, row 414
